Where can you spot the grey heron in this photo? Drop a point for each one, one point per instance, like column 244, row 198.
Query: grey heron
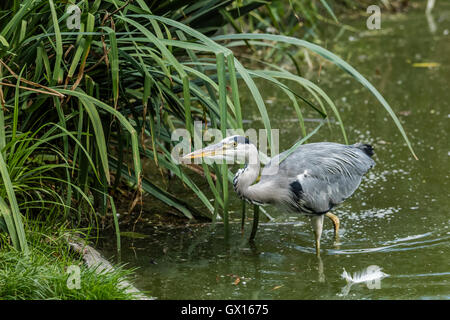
column 311, row 180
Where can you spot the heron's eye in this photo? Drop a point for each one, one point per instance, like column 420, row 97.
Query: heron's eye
column 235, row 144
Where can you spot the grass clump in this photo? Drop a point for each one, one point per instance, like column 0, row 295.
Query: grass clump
column 42, row 273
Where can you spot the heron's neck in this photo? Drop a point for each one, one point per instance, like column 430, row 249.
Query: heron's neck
column 245, row 177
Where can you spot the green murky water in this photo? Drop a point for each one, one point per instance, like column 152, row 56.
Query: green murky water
column 397, row 220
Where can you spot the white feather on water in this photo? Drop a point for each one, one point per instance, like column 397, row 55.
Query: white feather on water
column 371, row 273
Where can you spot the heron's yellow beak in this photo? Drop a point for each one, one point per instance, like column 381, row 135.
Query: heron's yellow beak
column 206, row 152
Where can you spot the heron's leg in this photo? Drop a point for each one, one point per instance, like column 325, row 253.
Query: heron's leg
column 335, row 220
column 317, row 224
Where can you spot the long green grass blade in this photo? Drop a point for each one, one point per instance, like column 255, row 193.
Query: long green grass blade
column 59, row 47
column 17, row 217
column 223, row 126
column 99, row 135
column 5, row 213
column 330, row 11
column 114, row 60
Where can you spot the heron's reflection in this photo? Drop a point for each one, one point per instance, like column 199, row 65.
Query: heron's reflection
column 319, row 265
column 431, row 23
column 430, row 19
column 321, row 274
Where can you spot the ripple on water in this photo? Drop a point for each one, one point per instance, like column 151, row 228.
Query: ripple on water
column 402, row 244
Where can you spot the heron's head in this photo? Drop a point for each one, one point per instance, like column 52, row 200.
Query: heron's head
column 234, row 148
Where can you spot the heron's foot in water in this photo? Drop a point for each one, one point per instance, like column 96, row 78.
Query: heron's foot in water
column 337, row 242
column 336, row 224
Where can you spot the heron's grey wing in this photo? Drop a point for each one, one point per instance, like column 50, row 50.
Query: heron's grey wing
column 319, row 175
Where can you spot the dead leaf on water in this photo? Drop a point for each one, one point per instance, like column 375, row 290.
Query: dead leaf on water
column 277, row 287
column 236, row 282
column 405, row 113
